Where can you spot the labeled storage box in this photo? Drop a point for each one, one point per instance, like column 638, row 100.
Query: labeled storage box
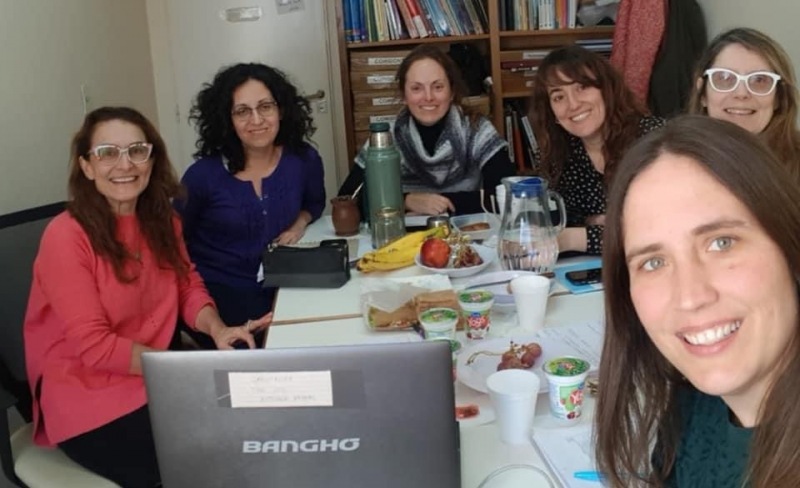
column 370, row 101
column 376, row 60
column 372, row 80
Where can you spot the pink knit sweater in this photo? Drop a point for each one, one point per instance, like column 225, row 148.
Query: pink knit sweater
column 81, row 325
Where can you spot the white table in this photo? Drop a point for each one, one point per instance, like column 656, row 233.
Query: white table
column 481, row 450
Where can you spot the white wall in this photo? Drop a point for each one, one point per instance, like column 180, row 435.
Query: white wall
column 776, row 18
column 48, row 49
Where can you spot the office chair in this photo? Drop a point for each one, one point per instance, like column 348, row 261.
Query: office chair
column 24, row 463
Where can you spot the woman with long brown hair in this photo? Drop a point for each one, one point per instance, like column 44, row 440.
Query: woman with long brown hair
column 701, row 352
column 448, row 153
column 746, row 77
column 584, row 118
column 110, row 279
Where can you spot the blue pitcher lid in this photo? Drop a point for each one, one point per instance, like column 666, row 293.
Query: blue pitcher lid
column 530, row 187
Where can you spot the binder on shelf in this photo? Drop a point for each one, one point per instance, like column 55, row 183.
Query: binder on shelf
column 417, row 18
column 402, row 6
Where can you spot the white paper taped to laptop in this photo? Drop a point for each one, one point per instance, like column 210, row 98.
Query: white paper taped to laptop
column 281, row 389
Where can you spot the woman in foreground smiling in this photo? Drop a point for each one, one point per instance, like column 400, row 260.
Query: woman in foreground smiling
column 701, row 352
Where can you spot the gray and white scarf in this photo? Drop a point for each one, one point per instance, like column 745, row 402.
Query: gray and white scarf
column 460, row 152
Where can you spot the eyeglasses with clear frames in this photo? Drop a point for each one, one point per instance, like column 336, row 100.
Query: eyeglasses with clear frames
column 758, row 83
column 137, row 153
column 243, row 113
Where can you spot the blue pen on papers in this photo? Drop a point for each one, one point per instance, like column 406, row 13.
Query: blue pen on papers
column 589, row 476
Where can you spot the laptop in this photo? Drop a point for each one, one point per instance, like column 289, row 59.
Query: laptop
column 379, row 415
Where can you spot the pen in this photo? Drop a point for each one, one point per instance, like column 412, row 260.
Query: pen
column 589, row 475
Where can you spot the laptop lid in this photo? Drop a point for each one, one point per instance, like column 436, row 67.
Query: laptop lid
column 340, row 416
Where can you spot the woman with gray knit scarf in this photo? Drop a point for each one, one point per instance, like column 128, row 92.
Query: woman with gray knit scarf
column 448, row 154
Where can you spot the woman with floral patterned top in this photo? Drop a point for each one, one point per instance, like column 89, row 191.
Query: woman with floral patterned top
column 584, row 118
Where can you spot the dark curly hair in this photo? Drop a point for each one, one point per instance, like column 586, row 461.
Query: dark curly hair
column 623, row 111
column 153, row 207
column 211, row 113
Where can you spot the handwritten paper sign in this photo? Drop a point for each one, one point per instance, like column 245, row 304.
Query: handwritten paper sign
column 281, row 389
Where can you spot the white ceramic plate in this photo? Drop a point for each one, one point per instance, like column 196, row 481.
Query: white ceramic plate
column 488, row 255
column 474, row 375
column 479, row 235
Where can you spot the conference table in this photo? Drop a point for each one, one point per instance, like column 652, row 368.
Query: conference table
column 335, row 319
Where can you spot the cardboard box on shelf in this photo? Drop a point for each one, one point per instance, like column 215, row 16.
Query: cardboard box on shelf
column 372, row 80
column 376, row 60
column 369, row 100
column 361, row 120
column 517, row 81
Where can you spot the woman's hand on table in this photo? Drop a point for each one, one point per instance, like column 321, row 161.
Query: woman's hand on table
column 226, row 337
column 428, row 203
column 295, row 232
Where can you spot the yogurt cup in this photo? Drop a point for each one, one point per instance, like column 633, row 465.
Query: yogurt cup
column 439, row 323
column 566, row 377
column 476, row 305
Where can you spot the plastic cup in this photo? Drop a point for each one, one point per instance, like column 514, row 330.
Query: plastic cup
column 439, row 323
column 530, row 297
column 513, row 393
column 566, row 378
column 476, row 305
column 500, row 197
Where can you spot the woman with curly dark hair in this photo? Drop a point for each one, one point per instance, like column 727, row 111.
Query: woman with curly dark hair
column 257, row 180
column 584, row 118
column 110, row 279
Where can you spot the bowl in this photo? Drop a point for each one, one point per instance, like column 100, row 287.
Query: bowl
column 461, row 221
column 487, row 254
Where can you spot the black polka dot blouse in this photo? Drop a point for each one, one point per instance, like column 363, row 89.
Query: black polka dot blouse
column 583, row 190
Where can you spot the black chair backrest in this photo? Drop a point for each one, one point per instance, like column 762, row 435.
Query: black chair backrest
column 20, row 233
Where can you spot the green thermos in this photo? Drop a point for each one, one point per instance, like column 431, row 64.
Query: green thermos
column 382, row 172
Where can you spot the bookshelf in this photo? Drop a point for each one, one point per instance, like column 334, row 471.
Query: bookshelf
column 356, row 59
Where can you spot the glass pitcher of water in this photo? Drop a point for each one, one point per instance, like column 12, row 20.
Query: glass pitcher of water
column 528, row 239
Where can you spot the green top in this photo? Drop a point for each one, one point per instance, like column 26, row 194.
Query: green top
column 478, row 296
column 712, row 451
column 566, row 366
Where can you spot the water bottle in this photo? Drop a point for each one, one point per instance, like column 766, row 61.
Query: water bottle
column 382, row 173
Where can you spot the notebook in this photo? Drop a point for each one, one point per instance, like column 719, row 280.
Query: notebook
column 373, row 415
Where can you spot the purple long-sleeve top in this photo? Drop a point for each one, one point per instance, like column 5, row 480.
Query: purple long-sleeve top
column 227, row 226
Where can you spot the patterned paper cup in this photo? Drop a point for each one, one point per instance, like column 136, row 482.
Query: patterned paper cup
column 476, row 305
column 566, row 377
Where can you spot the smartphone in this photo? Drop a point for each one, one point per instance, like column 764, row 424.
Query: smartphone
column 585, row 276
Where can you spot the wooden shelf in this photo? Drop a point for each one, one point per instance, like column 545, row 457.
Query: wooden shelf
column 577, row 33
column 414, row 42
column 491, row 45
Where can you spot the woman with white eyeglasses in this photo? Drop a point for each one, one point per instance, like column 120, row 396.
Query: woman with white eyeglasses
column 745, row 77
column 110, row 279
column 257, row 180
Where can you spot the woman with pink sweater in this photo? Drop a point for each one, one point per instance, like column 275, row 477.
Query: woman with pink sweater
column 111, row 278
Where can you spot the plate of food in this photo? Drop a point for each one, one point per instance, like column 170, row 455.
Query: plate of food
column 498, row 283
column 459, row 261
column 530, row 351
column 479, row 226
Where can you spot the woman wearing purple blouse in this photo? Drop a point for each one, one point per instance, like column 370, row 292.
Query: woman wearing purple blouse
column 257, row 180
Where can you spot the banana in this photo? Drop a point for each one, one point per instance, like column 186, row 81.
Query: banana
column 397, row 254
